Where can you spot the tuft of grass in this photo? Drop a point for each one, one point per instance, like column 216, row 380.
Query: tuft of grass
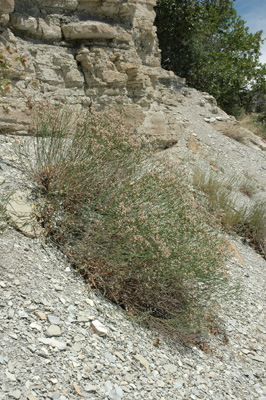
column 235, row 132
column 248, row 222
column 128, row 222
column 255, row 123
column 247, row 188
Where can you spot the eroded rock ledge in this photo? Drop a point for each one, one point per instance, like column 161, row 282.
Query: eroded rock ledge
column 80, row 52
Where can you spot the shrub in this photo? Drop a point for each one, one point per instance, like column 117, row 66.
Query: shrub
column 129, row 223
column 9, row 59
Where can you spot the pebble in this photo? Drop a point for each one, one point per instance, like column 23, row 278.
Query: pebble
column 53, row 320
column 15, row 394
column 53, row 330
column 99, row 328
column 142, row 361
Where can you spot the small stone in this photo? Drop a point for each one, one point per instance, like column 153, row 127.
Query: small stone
column 35, row 326
column 53, row 330
column 83, row 317
column 40, row 315
column 2, row 284
column 54, row 343
column 13, row 335
column 114, row 393
column 76, row 347
column 90, row 302
column 11, row 377
column 98, row 328
column 32, row 348
column 259, row 358
column 171, row 368
column 2, row 180
column 53, row 320
column 55, row 396
column 11, row 313
column 90, row 388
column 110, row 357
column 32, row 397
column 117, row 393
column 129, row 377
column 178, row 383
column 11, row 367
column 15, row 393
column 79, row 338
column 77, row 389
column 16, row 282
column 119, row 355
column 143, row 362
column 58, row 288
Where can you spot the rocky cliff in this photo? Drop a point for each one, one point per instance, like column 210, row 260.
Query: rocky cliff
column 106, row 52
column 83, row 51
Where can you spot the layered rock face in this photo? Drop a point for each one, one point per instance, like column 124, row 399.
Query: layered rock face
column 83, row 51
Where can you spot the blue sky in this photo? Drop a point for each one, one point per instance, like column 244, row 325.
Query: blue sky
column 254, row 13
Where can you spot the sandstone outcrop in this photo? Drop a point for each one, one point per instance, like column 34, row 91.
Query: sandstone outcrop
column 78, row 52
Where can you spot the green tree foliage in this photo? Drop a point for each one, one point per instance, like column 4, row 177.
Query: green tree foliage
column 206, row 42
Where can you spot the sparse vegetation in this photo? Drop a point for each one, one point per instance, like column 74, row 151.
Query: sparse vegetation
column 255, row 123
column 235, row 132
column 248, row 222
column 247, row 188
column 9, row 59
column 127, row 222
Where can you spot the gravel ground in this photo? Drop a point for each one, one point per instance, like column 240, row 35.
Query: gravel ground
column 61, row 341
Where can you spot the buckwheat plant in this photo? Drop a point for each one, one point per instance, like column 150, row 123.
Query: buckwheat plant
column 128, row 222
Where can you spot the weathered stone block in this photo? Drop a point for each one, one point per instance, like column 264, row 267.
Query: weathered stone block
column 47, row 30
column 88, row 30
column 63, row 4
column 22, row 23
column 114, row 77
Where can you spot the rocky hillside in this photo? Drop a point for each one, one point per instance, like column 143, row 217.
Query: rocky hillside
column 80, row 52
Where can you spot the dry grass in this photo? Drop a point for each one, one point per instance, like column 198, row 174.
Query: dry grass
column 234, row 131
column 247, row 188
column 248, row 222
column 252, row 123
